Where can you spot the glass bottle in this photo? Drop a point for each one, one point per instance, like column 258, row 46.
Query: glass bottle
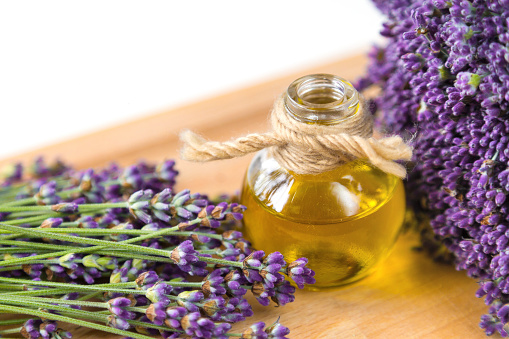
column 346, row 220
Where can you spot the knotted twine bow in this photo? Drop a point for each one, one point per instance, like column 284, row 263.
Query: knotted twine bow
column 307, row 148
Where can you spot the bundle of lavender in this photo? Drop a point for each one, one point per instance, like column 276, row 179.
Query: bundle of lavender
column 444, row 75
column 101, row 249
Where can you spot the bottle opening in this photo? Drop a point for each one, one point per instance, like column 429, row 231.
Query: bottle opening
column 321, row 98
column 320, row 91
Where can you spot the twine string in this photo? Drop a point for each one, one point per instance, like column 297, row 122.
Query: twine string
column 307, row 148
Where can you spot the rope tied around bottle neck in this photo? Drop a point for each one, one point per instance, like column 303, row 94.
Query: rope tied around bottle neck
column 307, row 148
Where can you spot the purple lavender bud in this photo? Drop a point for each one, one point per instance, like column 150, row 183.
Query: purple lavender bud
column 300, row 274
column 256, row 331
column 412, row 62
column 212, row 283
column 262, row 293
column 253, row 260
column 63, row 334
column 277, row 331
column 51, row 222
column 47, row 194
column 275, row 258
column 119, row 323
column 87, row 222
column 30, row 328
column 284, row 293
column 139, row 203
column 500, row 198
column 213, row 307
column 67, row 261
column 131, row 178
column 176, row 312
column 271, row 275
column 237, row 309
column 159, row 292
column 120, row 302
column 220, row 330
column 165, row 171
column 47, row 329
column 119, row 274
column 194, row 325
column 120, row 312
column 169, row 335
column 410, row 35
column 234, row 281
column 191, row 296
column 160, row 205
column 147, row 278
column 156, row 313
column 65, row 208
column 185, row 256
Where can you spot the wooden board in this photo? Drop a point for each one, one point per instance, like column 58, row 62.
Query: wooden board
column 410, row 296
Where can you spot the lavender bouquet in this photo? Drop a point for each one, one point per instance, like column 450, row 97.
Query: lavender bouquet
column 444, row 76
column 103, row 250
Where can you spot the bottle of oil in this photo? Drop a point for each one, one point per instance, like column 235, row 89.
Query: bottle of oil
column 345, row 220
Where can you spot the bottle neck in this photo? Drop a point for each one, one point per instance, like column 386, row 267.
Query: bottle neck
column 323, row 99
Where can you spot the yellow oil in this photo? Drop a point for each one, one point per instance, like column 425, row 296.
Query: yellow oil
column 345, row 221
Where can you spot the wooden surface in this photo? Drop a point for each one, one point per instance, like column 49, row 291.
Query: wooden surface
column 408, row 297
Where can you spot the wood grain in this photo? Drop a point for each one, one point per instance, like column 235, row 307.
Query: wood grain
column 408, row 297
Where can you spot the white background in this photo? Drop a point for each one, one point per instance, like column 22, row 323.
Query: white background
column 68, row 68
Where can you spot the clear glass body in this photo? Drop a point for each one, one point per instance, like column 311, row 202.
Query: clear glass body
column 345, row 221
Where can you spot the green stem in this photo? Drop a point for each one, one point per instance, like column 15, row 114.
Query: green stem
column 95, row 287
column 49, row 208
column 222, row 262
column 10, row 331
column 139, row 309
column 4, row 208
column 108, row 231
column 11, row 268
column 90, row 295
column 15, row 250
column 13, row 321
column 102, row 244
column 25, row 201
column 46, row 291
column 46, row 306
column 56, row 301
column 37, row 218
column 17, row 215
column 103, row 206
column 11, row 287
column 79, row 322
